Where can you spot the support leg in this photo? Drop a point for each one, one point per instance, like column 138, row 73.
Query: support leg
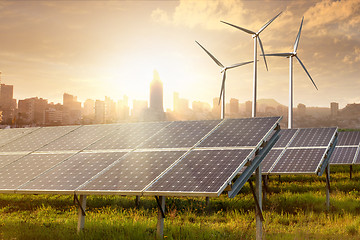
column 350, row 171
column 207, row 201
column 265, row 183
column 81, row 213
column 258, row 191
column 327, row 170
column 161, row 217
column 137, row 201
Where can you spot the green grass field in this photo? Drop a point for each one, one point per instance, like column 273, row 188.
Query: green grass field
column 294, row 209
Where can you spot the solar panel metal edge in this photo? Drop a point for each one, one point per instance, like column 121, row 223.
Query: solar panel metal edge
column 326, row 157
column 141, row 192
column 226, row 183
column 356, row 155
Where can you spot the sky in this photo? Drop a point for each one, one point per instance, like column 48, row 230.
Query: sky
column 93, row 49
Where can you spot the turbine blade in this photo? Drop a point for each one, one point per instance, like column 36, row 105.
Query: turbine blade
column 213, row 58
column 238, row 64
column 222, row 85
column 277, row 54
column 298, row 36
column 263, row 53
column 306, row 71
column 242, row 29
column 267, row 24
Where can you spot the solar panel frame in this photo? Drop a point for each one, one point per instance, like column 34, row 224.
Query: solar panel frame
column 348, row 152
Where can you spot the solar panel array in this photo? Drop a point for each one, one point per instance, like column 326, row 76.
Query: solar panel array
column 299, row 151
column 347, row 149
column 164, row 158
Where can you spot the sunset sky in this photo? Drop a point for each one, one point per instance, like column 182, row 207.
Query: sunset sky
column 93, row 49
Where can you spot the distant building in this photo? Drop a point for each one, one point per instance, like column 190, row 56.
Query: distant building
column 54, row 114
column 110, row 110
column 99, row 111
column 138, row 110
column 248, row 108
column 32, row 111
column 234, row 107
column 301, row 109
column 216, row 110
column 7, row 103
column 156, row 93
column 71, row 110
column 334, row 109
column 89, row 108
column 123, row 109
column 201, row 107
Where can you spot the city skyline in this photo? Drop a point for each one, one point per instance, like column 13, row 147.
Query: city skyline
column 93, row 49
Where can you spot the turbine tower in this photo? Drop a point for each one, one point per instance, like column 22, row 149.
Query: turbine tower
column 255, row 36
column 290, row 55
column 223, row 71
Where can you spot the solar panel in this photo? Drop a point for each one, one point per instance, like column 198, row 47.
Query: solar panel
column 133, row 172
column 8, row 135
column 357, row 160
column 6, row 159
column 240, row 132
column 128, row 136
column 285, row 136
column 313, row 137
column 270, row 159
column 73, row 172
column 295, row 161
column 37, row 139
column 343, row 155
column 81, row 137
column 26, row 168
column 348, row 138
column 180, row 134
column 201, row 171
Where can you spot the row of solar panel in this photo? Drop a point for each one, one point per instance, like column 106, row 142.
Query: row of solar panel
column 182, row 171
column 347, row 150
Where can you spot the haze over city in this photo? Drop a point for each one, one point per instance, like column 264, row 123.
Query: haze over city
column 93, row 48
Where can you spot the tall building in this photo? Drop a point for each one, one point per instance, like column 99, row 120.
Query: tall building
column 32, row 111
column 123, row 109
column 99, row 111
column 89, row 107
column 7, row 103
column 334, row 108
column 72, row 110
column 156, row 93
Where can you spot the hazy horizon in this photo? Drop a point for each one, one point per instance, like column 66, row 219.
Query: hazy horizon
column 93, row 49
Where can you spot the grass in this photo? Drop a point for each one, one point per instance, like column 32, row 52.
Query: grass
column 294, row 209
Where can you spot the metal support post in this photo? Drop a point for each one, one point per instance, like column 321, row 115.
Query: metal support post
column 327, row 171
column 161, row 216
column 258, row 191
column 81, row 212
column 350, row 171
column 207, row 201
column 265, row 183
column 137, row 201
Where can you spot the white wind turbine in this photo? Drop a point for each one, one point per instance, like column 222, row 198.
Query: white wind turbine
column 290, row 55
column 223, row 71
column 255, row 36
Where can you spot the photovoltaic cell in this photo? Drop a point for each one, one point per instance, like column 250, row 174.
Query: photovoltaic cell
column 285, row 136
column 180, row 134
column 299, row 161
column 313, row 137
column 134, row 171
column 81, row 137
column 348, row 138
column 201, row 171
column 270, row 159
column 6, row 159
column 128, row 136
column 37, row 139
column 26, row 168
column 8, row 135
column 73, row 172
column 240, row 132
column 343, row 155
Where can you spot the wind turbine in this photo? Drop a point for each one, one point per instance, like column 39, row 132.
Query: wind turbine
column 255, row 36
column 223, row 71
column 290, row 55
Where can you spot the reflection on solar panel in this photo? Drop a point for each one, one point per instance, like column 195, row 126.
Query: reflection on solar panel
column 8, row 135
column 240, row 132
column 347, row 149
column 37, row 139
column 300, row 151
column 128, row 136
column 202, row 171
column 73, row 172
column 180, row 134
column 133, row 172
column 26, row 168
column 81, row 137
column 6, row 159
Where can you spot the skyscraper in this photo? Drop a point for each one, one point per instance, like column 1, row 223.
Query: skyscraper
column 156, row 93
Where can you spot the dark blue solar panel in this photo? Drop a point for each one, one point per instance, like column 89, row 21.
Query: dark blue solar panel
column 348, row 138
column 343, row 155
column 270, row 159
column 285, row 136
column 312, row 137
